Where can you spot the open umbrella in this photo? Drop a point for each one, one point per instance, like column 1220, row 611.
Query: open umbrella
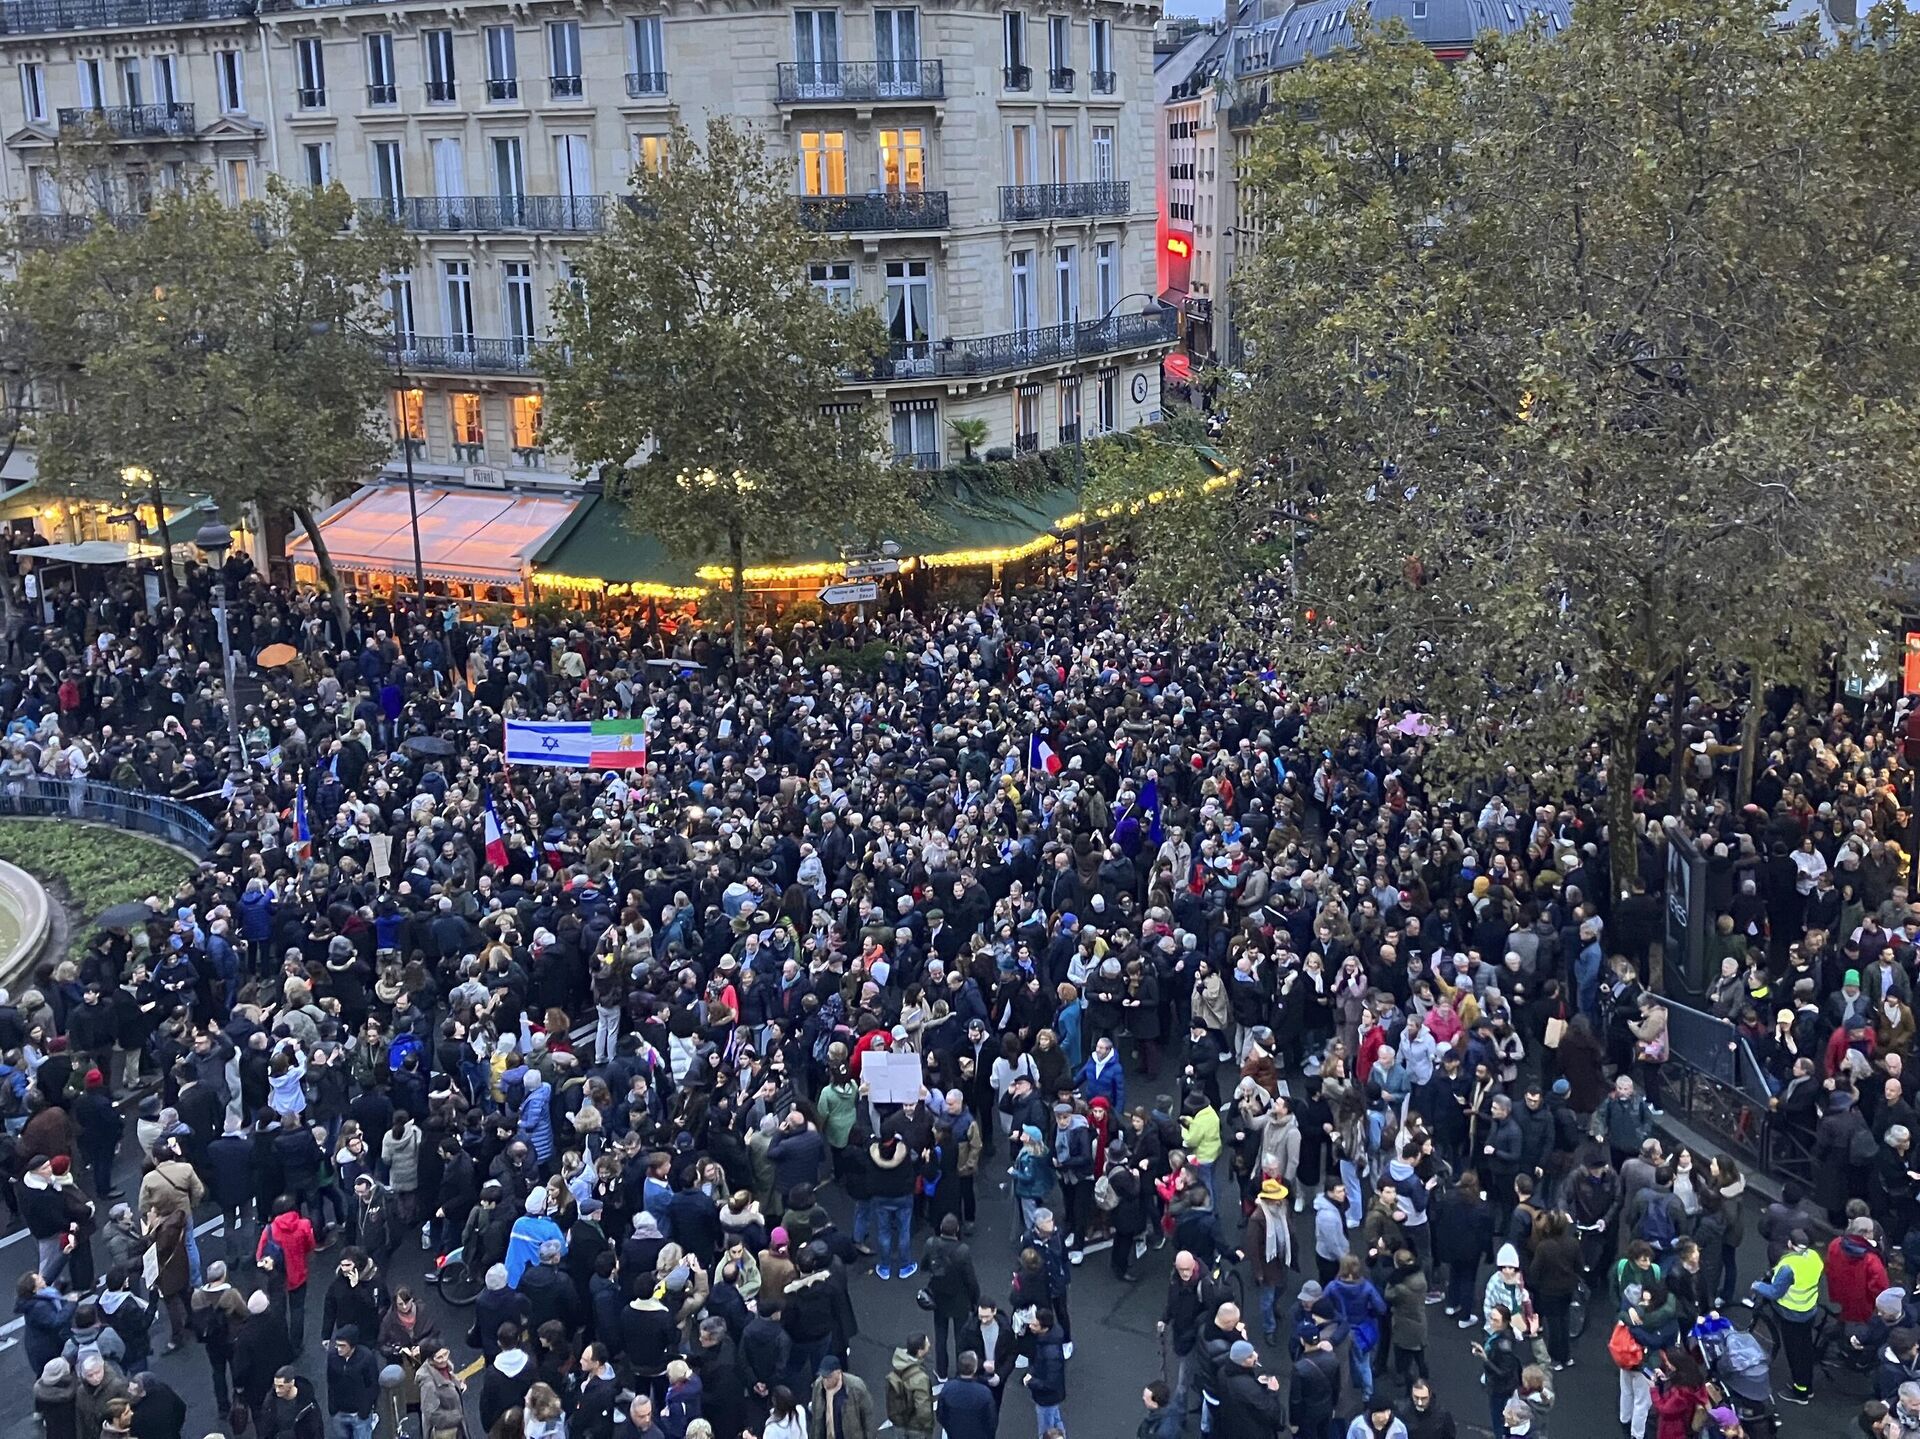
column 1413, row 723
column 124, row 916
column 429, row 746
column 680, row 665
column 274, row 656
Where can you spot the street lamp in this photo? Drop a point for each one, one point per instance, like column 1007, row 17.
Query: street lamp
column 413, row 493
column 319, row 328
column 1080, row 429
column 213, row 540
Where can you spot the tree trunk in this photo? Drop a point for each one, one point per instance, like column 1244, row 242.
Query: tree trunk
column 1677, row 757
column 323, row 559
column 737, row 590
column 1623, row 841
column 1750, row 734
column 166, row 545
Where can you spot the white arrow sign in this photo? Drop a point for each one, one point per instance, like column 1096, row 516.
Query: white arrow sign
column 868, row 569
column 864, row 593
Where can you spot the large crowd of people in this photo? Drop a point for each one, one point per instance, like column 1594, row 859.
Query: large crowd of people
column 1199, row 991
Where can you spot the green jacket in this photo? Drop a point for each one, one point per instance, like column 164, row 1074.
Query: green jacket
column 839, row 1108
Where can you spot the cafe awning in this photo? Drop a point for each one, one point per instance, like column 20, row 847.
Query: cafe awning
column 470, row 536
column 89, row 552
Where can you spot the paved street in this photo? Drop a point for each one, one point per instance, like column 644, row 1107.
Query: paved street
column 1116, row 1349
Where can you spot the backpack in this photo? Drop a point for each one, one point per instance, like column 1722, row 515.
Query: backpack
column 1105, row 1197
column 1656, row 1225
column 1863, row 1148
column 210, row 1325
column 404, row 1044
column 271, row 1252
column 1624, row 1349
column 899, row 1400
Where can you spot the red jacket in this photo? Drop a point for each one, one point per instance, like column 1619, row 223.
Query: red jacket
column 295, row 1238
column 1675, row 1406
column 1855, row 1277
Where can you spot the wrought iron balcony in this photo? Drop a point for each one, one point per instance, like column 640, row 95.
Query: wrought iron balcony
column 39, row 17
column 440, row 92
column 132, row 122
column 465, row 355
column 1027, row 442
column 312, row 97
column 1105, row 82
column 1025, row 349
column 1063, row 202
column 566, row 87
column 861, row 81
column 1060, row 79
column 383, row 94
column 644, row 84
column 1070, row 434
column 43, row 231
column 884, row 210
column 918, row 459
column 457, row 214
column 1018, row 77
column 498, row 90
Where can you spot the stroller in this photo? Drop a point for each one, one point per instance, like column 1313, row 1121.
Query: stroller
column 1739, row 1374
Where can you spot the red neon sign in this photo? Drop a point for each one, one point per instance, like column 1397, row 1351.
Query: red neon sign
column 1178, row 246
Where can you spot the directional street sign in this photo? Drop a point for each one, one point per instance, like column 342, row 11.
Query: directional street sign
column 870, row 569
column 864, row 593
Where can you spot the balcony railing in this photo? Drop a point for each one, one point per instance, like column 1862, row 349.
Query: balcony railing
column 1027, row 442
column 918, row 459
column 1060, row 79
column 312, row 97
column 469, row 454
column 1105, row 82
column 1061, row 202
column 643, row 84
column 1070, row 434
column 132, row 122
column 500, row 90
column 1018, row 77
column 454, row 214
column 565, row 87
column 440, row 92
column 39, row 17
column 466, row 355
column 862, row 80
column 886, row 210
column 383, row 94
column 48, row 230
column 1024, row 349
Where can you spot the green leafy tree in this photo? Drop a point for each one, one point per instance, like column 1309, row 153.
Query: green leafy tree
column 1592, row 361
column 694, row 365
column 226, row 350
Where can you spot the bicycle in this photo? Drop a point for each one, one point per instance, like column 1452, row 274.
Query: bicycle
column 1227, row 1278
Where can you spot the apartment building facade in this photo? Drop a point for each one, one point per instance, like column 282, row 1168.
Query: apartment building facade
column 982, row 169
column 1212, row 97
column 110, row 101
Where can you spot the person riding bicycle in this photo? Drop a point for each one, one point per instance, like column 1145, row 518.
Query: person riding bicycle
column 1793, row 1289
column 1593, row 1196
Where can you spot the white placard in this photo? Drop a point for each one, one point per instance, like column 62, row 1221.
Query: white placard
column 891, row 1078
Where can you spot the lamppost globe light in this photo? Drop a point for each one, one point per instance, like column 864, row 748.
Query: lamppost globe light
column 213, row 538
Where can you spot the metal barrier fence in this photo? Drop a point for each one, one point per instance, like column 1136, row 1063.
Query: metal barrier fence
column 1739, row 1122
column 1707, row 1042
column 89, row 800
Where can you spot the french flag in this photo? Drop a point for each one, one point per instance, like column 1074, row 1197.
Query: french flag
column 1040, row 756
column 496, row 838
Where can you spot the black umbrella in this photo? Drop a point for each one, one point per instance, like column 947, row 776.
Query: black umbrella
column 429, row 746
column 124, row 916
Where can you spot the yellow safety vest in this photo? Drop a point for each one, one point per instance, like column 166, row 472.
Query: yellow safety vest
column 1806, row 1267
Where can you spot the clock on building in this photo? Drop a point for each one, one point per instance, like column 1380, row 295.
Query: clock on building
column 1139, row 389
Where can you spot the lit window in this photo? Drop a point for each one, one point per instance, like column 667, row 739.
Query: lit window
column 527, row 419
